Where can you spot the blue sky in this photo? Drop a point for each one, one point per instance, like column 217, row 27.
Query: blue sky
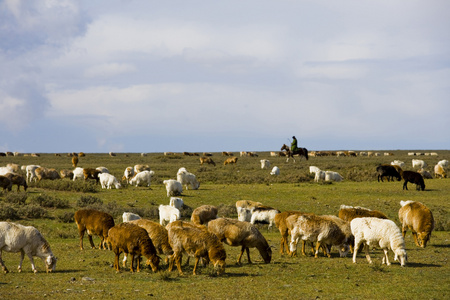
column 154, row 76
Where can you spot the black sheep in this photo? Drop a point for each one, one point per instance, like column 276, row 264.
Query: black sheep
column 388, row 171
column 413, row 177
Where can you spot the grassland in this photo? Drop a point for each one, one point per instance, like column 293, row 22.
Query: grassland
column 89, row 273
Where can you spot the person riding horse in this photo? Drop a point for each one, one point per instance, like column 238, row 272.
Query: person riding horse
column 294, row 147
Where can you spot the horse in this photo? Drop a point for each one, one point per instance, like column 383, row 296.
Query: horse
column 299, row 151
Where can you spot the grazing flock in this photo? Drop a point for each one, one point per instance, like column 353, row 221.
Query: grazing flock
column 202, row 238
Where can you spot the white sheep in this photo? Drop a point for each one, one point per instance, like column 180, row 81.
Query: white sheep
column 264, row 214
column 187, row 179
column 129, row 216
column 128, row 174
column 5, row 170
column 31, row 174
column 168, row 214
column 383, row 233
column 265, row 164
column 143, row 177
column 418, row 163
column 443, row 163
column 78, row 173
column 107, row 181
column 275, row 171
column 333, row 176
column 320, row 175
column 176, row 202
column 399, row 163
column 313, row 169
column 245, row 208
column 102, row 169
column 173, row 187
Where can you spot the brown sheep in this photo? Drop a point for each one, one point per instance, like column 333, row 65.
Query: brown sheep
column 5, row 183
column 413, row 177
column 196, row 242
column 280, row 223
column 419, row 218
column 140, row 168
column 439, row 171
column 18, row 180
column 203, row 214
column 231, row 160
column 94, row 222
column 75, row 161
column 345, row 227
column 64, row 173
column 237, row 233
column 348, row 213
column 133, row 240
column 90, row 173
column 207, row 160
column 44, row 173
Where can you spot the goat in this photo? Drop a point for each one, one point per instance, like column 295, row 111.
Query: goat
column 203, row 214
column 187, row 179
column 94, row 222
column 417, row 217
column 413, row 177
column 173, row 187
column 264, row 214
column 168, row 214
column 107, row 181
column 348, row 213
column 388, row 171
column 231, row 160
column 207, row 160
column 143, row 177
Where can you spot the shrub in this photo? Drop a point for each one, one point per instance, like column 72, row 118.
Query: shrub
column 33, row 211
column 85, row 201
column 66, row 217
column 8, row 212
column 16, row 198
column 49, row 201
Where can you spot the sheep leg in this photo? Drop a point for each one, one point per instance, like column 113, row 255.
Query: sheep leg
column 195, row 265
column 133, row 261
column 366, row 249
column 355, row 251
column 5, row 270
column 91, row 241
column 303, row 247
column 30, row 256
column 116, row 261
column 124, row 262
column 81, row 232
column 240, row 255
column 404, row 229
column 318, row 245
column 248, row 255
column 386, row 258
column 138, row 263
column 415, row 238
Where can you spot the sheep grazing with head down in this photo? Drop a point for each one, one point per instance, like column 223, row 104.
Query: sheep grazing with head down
column 264, row 214
column 245, row 208
column 187, row 179
column 168, row 214
column 413, row 177
column 275, row 171
column 107, row 181
column 203, row 214
column 94, row 222
column 173, row 187
column 419, row 218
column 237, row 233
column 281, row 224
column 348, row 213
column 196, row 242
column 142, row 178
column 134, row 241
column 375, row 232
column 439, row 171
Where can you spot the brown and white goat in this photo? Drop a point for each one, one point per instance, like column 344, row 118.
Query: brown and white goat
column 280, row 223
column 94, row 222
column 237, row 233
column 417, row 217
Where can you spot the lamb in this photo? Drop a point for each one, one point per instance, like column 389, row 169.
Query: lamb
column 237, row 233
column 348, row 213
column 94, row 222
column 5, row 183
column 333, row 176
column 187, row 179
column 281, row 224
column 168, row 214
column 203, row 214
column 196, row 242
column 143, row 177
column 44, row 173
column 388, row 171
column 107, row 181
column 264, row 214
column 207, row 160
column 419, row 218
column 31, row 172
column 245, row 208
column 18, row 180
column 375, row 232
column 128, row 174
column 78, row 173
column 413, row 177
column 309, row 227
column 265, row 164
column 129, row 216
column 176, row 202
column 28, row 240
column 231, row 160
column 173, row 187
column 275, row 171
column 418, row 163
column 133, row 240
column 439, row 171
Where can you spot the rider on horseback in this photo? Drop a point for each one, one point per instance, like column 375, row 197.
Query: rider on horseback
column 294, row 146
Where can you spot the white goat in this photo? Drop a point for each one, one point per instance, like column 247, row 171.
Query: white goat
column 333, row 176
column 265, row 164
column 173, row 187
column 187, row 179
column 107, row 181
column 78, row 173
column 143, row 177
column 129, row 216
column 418, row 163
column 264, row 214
column 275, row 171
column 31, row 174
column 168, row 214
column 176, row 202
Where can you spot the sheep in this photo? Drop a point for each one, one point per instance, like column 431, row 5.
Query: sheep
column 207, row 160
column 75, row 161
column 143, row 177
column 231, row 160
column 418, row 163
column 133, row 240
column 383, row 233
column 18, row 180
column 280, row 223
column 309, row 227
column 5, row 183
column 94, row 222
column 112, row 154
column 425, row 174
column 107, row 181
column 345, row 228
column 439, row 171
column 388, row 171
column 129, row 216
column 413, row 177
column 176, row 202
column 168, row 214
column 203, row 214
column 90, row 173
column 399, row 163
column 44, row 173
column 319, row 175
column 187, row 179
column 26, row 240
column 237, row 233
column 333, row 176
column 264, row 214
column 173, row 187
column 348, row 213
column 128, row 174
column 226, row 153
column 64, row 173
column 140, row 168
column 275, row 171
column 102, row 169
column 245, row 208
column 13, row 167
column 417, row 217
column 313, row 169
column 443, row 163
column 78, row 173
column 31, row 172
column 195, row 242
column 265, row 163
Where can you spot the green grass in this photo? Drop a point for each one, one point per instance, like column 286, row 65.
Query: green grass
column 89, row 273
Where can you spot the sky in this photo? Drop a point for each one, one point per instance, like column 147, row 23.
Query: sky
column 156, row 76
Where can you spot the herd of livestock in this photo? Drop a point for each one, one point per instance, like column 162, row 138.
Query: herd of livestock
column 203, row 237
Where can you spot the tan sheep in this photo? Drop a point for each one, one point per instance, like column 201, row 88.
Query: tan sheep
column 196, row 242
column 419, row 218
column 94, row 222
column 203, row 214
column 348, row 213
column 207, row 160
column 245, row 208
column 231, row 160
column 237, row 233
column 280, row 223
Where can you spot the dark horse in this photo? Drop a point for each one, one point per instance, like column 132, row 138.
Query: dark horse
column 300, row 151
